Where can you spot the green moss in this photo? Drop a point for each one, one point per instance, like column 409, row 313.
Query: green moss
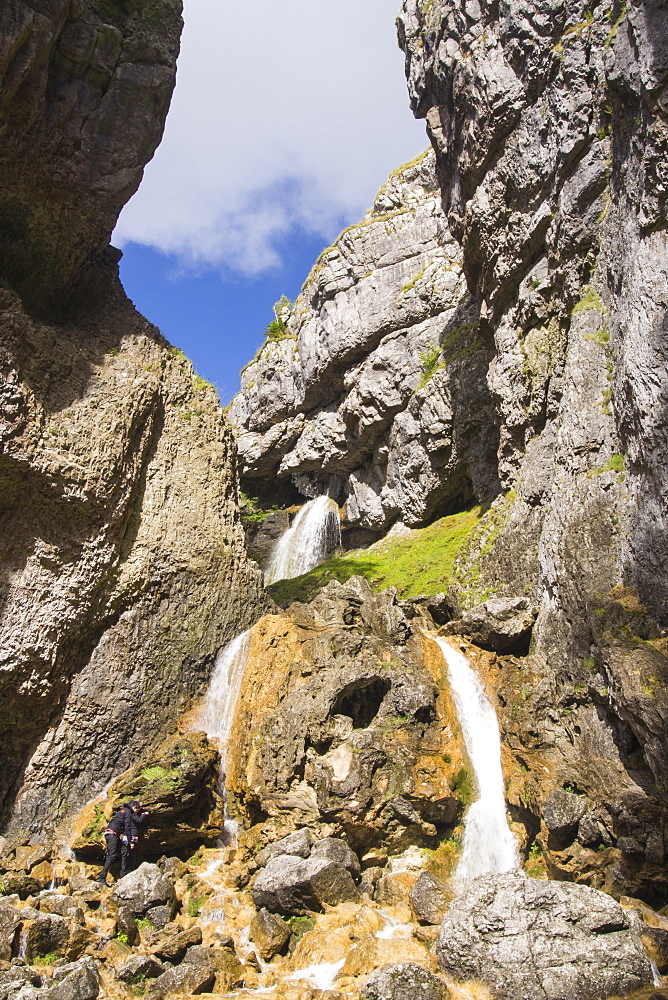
column 50, row 958
column 615, row 26
column 413, row 282
column 590, row 300
column 96, row 826
column 158, row 774
column 614, row 464
column 419, row 563
column 196, row 859
column 300, row 925
column 461, row 784
column 431, row 363
column 195, row 905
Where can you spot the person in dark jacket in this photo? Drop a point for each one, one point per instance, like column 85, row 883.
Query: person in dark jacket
column 138, row 821
column 123, row 834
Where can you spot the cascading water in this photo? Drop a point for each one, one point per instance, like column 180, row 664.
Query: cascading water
column 489, row 846
column 314, row 533
column 217, row 712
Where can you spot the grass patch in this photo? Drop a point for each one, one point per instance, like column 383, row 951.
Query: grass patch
column 50, row 958
column 431, row 363
column 195, row 905
column 417, row 563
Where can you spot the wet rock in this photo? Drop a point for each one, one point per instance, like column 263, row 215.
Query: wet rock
column 541, row 940
column 76, row 981
column 228, row 969
column 406, row 981
column 502, row 624
column 269, row 933
column 394, row 888
column 183, row 979
column 298, row 844
column 64, row 906
column 20, row 885
column 294, row 886
column 144, row 966
column 48, row 934
column 144, row 888
column 429, row 899
column 174, row 947
column 10, row 918
column 335, row 849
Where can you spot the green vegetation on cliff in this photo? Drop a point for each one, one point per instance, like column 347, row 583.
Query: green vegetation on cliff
column 415, row 561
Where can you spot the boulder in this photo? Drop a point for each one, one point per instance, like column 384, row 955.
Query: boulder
column 77, row 981
column 64, row 906
column 562, row 811
column 177, row 783
column 298, row 844
column 502, row 624
column 144, row 888
column 541, row 940
column 295, row 886
column 49, row 934
column 187, row 979
column 159, row 916
column 19, row 884
column 140, row 966
column 335, row 849
column 127, row 925
column 269, row 933
column 227, row 967
column 174, row 947
column 406, row 981
column 429, row 899
column 10, row 919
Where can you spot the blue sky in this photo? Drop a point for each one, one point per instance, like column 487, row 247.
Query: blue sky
column 286, row 119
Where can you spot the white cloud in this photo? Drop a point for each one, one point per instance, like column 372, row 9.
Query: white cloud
column 287, row 114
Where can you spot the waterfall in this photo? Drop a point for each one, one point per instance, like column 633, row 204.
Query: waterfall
column 314, row 533
column 489, row 846
column 217, row 713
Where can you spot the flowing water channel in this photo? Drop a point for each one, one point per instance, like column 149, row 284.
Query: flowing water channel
column 314, row 533
column 489, row 845
column 217, row 713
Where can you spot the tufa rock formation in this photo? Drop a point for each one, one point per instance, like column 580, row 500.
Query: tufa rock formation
column 123, row 566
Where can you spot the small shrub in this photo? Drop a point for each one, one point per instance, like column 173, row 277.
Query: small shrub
column 123, row 938
column 431, row 363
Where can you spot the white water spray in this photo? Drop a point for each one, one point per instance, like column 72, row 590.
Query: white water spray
column 217, row 713
column 489, row 846
column 314, row 533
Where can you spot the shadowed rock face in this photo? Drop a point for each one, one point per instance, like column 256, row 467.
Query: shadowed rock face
column 84, row 92
column 122, row 564
column 550, row 130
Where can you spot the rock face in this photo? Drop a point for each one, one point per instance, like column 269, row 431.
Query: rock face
column 541, row 941
column 549, row 126
column 84, row 92
column 344, row 718
column 123, row 567
column 376, row 394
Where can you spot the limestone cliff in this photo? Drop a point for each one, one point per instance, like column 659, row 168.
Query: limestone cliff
column 122, row 561
column 376, row 393
column 549, row 125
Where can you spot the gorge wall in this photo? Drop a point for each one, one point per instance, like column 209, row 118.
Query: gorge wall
column 538, row 384
column 123, row 561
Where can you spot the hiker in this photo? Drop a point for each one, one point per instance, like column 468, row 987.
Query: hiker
column 123, row 833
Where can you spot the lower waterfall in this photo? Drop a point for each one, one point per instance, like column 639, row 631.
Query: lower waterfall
column 314, row 533
column 217, row 712
column 489, row 846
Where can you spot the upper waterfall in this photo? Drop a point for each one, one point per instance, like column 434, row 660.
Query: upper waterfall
column 489, row 846
column 314, row 533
